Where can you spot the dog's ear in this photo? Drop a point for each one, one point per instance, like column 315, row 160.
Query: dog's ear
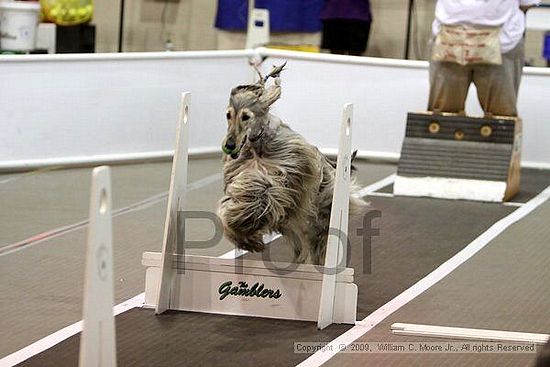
column 270, row 95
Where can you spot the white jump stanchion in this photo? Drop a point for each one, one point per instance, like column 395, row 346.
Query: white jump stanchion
column 254, row 288
column 176, row 199
column 258, row 28
column 97, row 343
column 336, row 253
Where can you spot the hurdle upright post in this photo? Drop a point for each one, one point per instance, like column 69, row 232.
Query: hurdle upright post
column 176, row 200
column 258, row 28
column 336, row 253
column 97, row 344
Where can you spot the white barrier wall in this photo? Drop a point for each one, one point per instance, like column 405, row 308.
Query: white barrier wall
column 383, row 91
column 534, row 109
column 62, row 109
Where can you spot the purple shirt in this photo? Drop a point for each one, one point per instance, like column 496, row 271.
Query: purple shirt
column 347, row 9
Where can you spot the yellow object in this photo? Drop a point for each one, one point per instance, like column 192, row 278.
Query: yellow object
column 303, row 48
column 67, row 12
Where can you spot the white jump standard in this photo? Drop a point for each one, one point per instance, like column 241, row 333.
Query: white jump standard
column 98, row 343
column 451, row 156
column 254, row 288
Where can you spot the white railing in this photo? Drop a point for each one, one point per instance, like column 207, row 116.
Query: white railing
column 89, row 109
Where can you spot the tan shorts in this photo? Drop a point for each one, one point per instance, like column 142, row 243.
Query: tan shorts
column 497, row 85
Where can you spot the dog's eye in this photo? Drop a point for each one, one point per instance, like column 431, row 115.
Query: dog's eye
column 228, row 115
column 245, row 117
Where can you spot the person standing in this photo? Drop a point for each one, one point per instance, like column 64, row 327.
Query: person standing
column 479, row 41
column 346, row 26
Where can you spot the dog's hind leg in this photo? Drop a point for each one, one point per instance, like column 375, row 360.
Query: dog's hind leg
column 317, row 241
column 317, row 248
column 297, row 240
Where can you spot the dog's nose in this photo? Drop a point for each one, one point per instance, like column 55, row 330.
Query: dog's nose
column 230, row 145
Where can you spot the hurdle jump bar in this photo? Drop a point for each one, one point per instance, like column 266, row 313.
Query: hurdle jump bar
column 254, row 267
column 247, row 287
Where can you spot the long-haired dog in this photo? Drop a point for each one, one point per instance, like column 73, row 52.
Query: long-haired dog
column 274, row 180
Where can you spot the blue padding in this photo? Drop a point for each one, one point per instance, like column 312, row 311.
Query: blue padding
column 284, row 15
column 546, row 50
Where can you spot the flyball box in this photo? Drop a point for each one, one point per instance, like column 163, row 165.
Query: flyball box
column 459, row 157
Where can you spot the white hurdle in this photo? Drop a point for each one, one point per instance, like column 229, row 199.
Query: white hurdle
column 176, row 200
column 177, row 281
column 336, row 254
column 97, row 343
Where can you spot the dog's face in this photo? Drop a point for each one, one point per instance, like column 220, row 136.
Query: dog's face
column 247, row 116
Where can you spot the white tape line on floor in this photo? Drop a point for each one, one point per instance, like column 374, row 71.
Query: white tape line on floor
column 65, row 333
column 368, row 323
column 376, row 186
column 143, row 204
column 60, row 335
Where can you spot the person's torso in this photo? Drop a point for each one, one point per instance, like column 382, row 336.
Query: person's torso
column 479, row 12
column 485, row 13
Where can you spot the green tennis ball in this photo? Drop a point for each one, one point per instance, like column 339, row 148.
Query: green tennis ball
column 227, row 151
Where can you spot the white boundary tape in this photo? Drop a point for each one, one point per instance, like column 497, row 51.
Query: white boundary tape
column 65, row 333
column 361, row 328
column 236, row 252
column 368, row 323
column 511, row 203
column 60, row 335
column 376, row 186
column 143, row 204
column 382, row 194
